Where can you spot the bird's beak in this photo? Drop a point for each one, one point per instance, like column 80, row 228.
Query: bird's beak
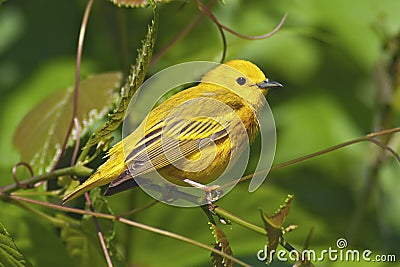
column 268, row 84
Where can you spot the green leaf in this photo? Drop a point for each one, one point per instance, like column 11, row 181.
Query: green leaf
column 222, row 244
column 83, row 248
column 273, row 224
column 39, row 136
column 10, row 255
column 277, row 219
column 134, row 80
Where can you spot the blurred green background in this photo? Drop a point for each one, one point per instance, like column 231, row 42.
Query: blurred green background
column 333, row 58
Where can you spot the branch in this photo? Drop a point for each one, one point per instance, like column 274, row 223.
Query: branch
column 203, row 8
column 368, row 137
column 14, row 198
column 76, row 86
column 180, row 35
column 77, row 170
column 99, row 233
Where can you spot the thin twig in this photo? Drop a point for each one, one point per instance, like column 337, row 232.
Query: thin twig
column 78, row 141
column 203, row 8
column 324, row 151
column 76, row 122
column 367, row 137
column 52, row 219
column 226, row 214
column 180, row 36
column 389, row 149
column 77, row 170
column 83, row 171
column 125, row 221
column 16, row 180
column 99, row 233
column 77, row 79
column 139, row 209
column 258, row 37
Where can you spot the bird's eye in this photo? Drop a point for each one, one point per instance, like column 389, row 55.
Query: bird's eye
column 241, row 80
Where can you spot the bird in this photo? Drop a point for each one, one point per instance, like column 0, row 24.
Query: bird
column 191, row 136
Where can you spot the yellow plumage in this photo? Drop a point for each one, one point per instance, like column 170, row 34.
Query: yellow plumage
column 198, row 130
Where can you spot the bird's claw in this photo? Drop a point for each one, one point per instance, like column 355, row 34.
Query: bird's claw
column 213, row 193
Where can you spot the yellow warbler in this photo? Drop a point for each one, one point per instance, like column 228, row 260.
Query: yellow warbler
column 200, row 127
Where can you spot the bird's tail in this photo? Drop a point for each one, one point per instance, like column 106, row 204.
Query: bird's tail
column 106, row 173
column 92, row 182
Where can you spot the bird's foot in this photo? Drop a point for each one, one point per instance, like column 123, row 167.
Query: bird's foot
column 213, row 193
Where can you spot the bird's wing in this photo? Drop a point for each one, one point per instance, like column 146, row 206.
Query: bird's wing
column 192, row 122
column 164, row 144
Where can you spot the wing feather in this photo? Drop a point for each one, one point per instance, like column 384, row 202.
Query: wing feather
column 162, row 146
column 181, row 133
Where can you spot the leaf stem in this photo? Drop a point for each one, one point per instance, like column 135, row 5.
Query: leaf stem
column 139, row 209
column 103, row 134
column 368, row 137
column 232, row 217
column 99, row 233
column 55, row 221
column 76, row 86
column 203, row 8
column 180, row 36
column 125, row 221
column 77, row 170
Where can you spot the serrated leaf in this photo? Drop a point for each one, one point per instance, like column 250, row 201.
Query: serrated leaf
column 278, row 218
column 222, row 244
column 10, row 255
column 273, row 225
column 39, row 136
column 135, row 3
column 133, row 82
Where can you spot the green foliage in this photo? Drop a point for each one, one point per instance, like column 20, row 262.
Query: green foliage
column 81, row 238
column 222, row 244
column 274, row 224
column 41, row 133
column 10, row 256
column 332, row 62
column 83, row 247
column 107, row 227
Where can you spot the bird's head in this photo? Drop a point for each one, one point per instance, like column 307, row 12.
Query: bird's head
column 242, row 77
